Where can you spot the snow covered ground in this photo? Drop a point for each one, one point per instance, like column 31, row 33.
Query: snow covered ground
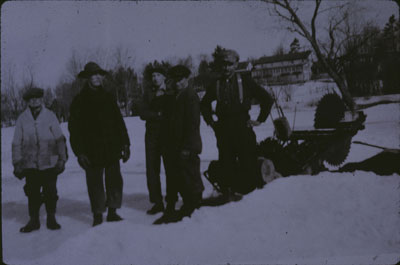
column 329, row 218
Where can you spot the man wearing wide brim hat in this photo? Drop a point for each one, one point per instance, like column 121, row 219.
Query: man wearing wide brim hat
column 152, row 110
column 39, row 154
column 99, row 139
column 90, row 69
column 236, row 140
column 184, row 147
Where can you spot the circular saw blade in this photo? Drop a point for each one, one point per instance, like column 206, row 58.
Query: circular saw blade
column 338, row 151
column 330, row 110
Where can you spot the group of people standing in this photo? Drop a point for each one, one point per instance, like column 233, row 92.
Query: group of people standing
column 99, row 139
column 171, row 109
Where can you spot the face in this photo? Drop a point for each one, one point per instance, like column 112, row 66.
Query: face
column 35, row 102
column 158, row 79
column 183, row 83
column 230, row 66
column 96, row 80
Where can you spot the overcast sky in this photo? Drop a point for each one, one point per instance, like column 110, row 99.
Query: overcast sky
column 41, row 35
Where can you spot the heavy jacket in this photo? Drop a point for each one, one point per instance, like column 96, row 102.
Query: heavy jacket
column 184, row 130
column 96, row 126
column 233, row 101
column 150, row 108
column 39, row 143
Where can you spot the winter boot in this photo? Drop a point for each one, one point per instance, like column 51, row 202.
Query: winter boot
column 112, row 215
column 157, row 208
column 34, row 203
column 186, row 210
column 170, row 215
column 52, row 222
column 190, row 204
column 170, row 207
column 33, row 224
column 97, row 219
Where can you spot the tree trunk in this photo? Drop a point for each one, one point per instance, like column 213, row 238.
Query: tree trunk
column 340, row 82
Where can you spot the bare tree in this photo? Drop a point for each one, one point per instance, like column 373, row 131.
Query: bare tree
column 29, row 77
column 12, row 101
column 289, row 11
column 279, row 50
column 48, row 97
column 75, row 64
column 123, row 57
column 79, row 58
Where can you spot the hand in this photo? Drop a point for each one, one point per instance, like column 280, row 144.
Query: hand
column 83, row 161
column 60, row 167
column 19, row 174
column 18, row 171
column 160, row 92
column 251, row 123
column 126, row 153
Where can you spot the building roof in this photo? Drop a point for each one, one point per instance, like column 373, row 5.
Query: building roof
column 284, row 57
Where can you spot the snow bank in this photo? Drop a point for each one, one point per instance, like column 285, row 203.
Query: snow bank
column 330, row 218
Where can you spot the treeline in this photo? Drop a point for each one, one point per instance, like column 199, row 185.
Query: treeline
column 370, row 61
column 125, row 83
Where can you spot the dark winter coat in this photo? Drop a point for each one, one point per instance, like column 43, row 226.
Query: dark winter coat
column 184, row 122
column 96, row 126
column 150, row 109
column 229, row 105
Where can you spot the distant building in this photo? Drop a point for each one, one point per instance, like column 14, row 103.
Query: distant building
column 283, row 69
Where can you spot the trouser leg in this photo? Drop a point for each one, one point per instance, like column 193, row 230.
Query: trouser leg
column 227, row 156
column 153, row 161
column 172, row 177
column 192, row 187
column 95, row 185
column 50, row 191
column 32, row 191
column 247, row 159
column 114, row 185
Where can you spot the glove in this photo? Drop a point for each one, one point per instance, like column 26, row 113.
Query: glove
column 18, row 171
column 19, row 174
column 83, row 161
column 160, row 92
column 126, row 153
column 60, row 167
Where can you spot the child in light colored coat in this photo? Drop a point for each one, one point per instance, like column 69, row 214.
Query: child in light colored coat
column 39, row 154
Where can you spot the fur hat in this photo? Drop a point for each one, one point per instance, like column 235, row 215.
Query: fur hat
column 158, row 70
column 179, row 72
column 33, row 92
column 90, row 69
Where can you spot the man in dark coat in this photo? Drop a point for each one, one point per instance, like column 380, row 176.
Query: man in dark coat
column 184, row 146
column 152, row 110
column 236, row 141
column 99, row 139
